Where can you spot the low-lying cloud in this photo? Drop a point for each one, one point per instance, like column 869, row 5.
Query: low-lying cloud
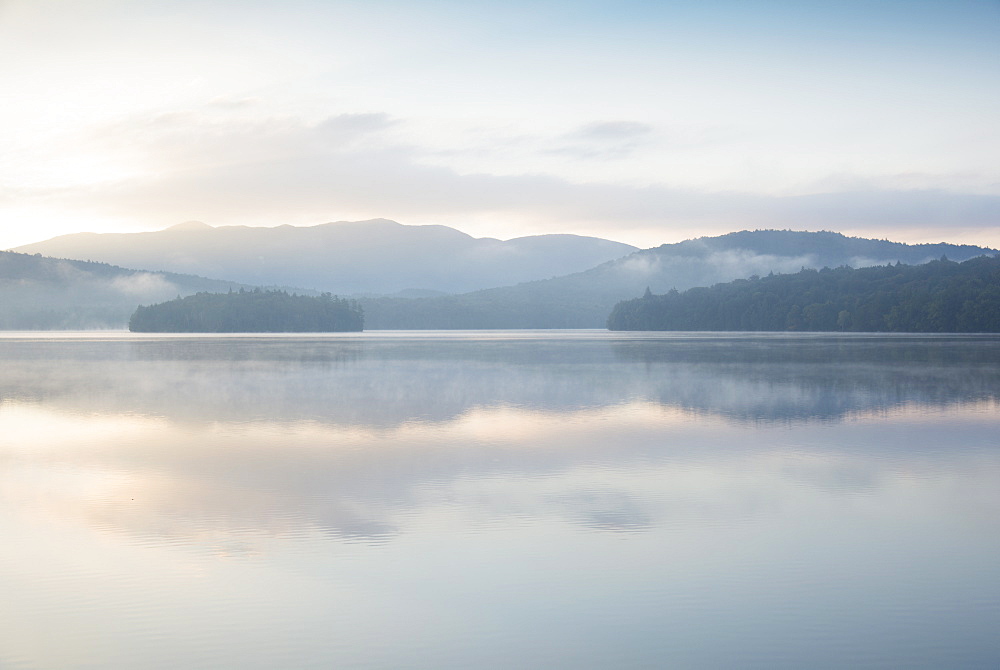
column 353, row 165
column 146, row 285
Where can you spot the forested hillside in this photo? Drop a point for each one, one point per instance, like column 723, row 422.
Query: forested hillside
column 584, row 299
column 249, row 312
column 46, row 293
column 39, row 293
column 937, row 297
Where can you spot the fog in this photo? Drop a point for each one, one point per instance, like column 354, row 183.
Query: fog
column 346, row 436
column 374, row 382
column 39, row 293
column 324, row 490
column 81, row 300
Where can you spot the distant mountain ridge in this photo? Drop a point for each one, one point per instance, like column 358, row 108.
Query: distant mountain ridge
column 76, row 294
column 585, row 299
column 347, row 258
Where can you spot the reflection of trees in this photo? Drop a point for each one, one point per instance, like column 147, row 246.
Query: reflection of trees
column 781, row 379
column 388, row 382
column 345, row 435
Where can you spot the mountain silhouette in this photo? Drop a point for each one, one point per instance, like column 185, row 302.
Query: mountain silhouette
column 345, row 258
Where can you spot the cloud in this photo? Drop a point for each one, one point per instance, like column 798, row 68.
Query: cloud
column 620, row 139
column 743, row 263
column 228, row 102
column 285, row 170
column 356, row 124
column 604, row 140
column 645, row 265
column 613, row 130
column 145, row 285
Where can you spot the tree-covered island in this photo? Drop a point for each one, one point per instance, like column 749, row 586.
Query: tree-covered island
column 937, row 297
column 253, row 311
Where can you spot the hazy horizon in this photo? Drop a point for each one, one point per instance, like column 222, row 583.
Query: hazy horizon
column 193, row 224
column 644, row 124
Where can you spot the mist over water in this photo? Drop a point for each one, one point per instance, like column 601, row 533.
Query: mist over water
column 511, row 499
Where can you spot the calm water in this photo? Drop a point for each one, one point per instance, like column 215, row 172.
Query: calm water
column 521, row 499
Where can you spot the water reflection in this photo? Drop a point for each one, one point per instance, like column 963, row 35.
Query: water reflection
column 591, row 501
column 389, row 382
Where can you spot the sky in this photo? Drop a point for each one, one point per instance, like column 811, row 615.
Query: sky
column 642, row 122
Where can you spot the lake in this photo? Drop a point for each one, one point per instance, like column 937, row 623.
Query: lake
column 509, row 499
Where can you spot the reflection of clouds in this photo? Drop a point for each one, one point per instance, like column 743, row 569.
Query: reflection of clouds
column 232, row 487
column 227, row 442
column 147, row 510
column 845, row 475
column 606, row 510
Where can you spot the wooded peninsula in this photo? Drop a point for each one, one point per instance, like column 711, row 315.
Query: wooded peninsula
column 937, row 297
column 256, row 311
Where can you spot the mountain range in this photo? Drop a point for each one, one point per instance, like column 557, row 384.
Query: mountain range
column 389, row 266
column 584, row 299
column 347, row 258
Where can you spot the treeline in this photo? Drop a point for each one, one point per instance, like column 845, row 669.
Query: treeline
column 937, row 297
column 253, row 311
column 584, row 299
column 40, row 293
